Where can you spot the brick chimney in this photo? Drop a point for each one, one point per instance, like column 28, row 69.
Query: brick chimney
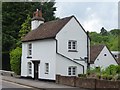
column 37, row 19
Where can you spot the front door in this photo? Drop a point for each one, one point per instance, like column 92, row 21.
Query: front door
column 36, row 72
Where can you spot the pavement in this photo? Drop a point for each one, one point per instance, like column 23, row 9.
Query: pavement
column 36, row 83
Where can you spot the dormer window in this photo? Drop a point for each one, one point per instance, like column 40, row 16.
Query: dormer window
column 29, row 49
column 72, row 45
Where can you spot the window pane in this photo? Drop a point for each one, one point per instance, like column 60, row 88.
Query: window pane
column 29, row 68
column 46, row 67
column 29, row 49
column 69, row 45
column 30, row 46
column 69, row 71
column 72, row 45
column 74, row 71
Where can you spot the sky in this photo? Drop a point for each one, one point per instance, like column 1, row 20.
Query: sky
column 92, row 15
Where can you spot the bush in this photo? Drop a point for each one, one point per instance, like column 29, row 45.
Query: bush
column 15, row 58
column 104, row 76
column 81, row 75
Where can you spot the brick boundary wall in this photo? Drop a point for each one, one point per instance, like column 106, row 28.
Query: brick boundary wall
column 90, row 83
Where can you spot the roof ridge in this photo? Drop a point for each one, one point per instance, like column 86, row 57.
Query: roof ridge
column 47, row 30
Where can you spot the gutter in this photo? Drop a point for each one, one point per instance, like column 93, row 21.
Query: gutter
column 67, row 57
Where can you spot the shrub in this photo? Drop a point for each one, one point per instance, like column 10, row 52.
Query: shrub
column 81, row 75
column 98, row 75
column 15, row 58
column 104, row 76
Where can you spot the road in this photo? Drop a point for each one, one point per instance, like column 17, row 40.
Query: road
column 11, row 86
column 14, row 86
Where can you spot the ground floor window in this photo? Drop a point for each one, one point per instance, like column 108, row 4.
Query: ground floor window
column 46, row 68
column 29, row 68
column 72, row 70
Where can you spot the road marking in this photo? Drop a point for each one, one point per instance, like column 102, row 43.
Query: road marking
column 16, row 84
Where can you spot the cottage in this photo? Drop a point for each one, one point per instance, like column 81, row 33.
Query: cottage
column 100, row 56
column 55, row 47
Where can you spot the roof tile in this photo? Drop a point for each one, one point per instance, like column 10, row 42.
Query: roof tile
column 46, row 30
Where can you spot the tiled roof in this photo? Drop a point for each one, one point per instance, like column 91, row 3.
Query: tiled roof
column 95, row 51
column 47, row 30
column 118, row 59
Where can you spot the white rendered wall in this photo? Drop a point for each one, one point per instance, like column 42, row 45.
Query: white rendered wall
column 35, row 24
column 104, row 61
column 43, row 50
column 72, row 31
column 62, row 65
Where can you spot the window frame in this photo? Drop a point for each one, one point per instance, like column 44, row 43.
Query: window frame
column 46, row 68
column 72, row 46
column 29, row 68
column 105, row 54
column 29, row 49
column 72, row 70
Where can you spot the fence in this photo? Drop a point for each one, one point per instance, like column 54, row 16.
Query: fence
column 88, row 82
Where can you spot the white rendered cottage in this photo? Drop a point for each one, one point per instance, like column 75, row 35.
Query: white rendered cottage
column 54, row 47
column 100, row 56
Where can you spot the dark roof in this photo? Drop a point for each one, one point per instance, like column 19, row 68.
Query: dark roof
column 118, row 59
column 95, row 51
column 47, row 30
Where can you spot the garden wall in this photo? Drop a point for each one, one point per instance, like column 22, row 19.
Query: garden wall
column 88, row 83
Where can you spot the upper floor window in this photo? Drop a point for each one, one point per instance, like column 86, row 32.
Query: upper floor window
column 105, row 54
column 29, row 49
column 72, row 45
column 72, row 70
column 116, row 56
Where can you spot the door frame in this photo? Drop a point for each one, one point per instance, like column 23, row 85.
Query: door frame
column 36, row 68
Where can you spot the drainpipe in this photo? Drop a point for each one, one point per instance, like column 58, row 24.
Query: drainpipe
column 88, row 63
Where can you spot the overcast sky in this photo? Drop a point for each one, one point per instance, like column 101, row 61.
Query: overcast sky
column 92, row 15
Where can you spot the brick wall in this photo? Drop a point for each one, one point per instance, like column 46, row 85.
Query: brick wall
column 87, row 82
column 70, row 81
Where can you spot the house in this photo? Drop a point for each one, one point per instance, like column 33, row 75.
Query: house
column 55, row 47
column 100, row 56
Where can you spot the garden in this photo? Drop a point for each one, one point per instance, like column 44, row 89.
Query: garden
column 112, row 72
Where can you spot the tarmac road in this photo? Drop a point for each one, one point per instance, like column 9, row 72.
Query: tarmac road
column 14, row 86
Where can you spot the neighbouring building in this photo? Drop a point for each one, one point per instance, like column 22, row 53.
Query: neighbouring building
column 55, row 47
column 101, row 56
column 116, row 54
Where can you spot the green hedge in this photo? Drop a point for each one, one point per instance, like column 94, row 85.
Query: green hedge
column 15, row 60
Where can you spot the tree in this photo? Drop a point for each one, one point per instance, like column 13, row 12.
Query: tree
column 14, row 15
column 103, row 32
column 112, row 39
column 15, row 60
column 26, row 27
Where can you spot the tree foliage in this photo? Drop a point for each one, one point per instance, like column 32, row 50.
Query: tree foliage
column 25, row 27
column 110, row 38
column 15, row 58
column 16, row 21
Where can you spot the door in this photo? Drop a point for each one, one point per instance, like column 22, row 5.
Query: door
column 36, row 72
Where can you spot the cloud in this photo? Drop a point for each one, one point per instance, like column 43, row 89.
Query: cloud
column 92, row 23
column 92, row 15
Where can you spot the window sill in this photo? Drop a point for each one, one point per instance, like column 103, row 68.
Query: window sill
column 72, row 51
column 29, row 57
column 46, row 73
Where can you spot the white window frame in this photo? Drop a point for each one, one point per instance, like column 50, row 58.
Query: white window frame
column 72, row 71
column 72, row 45
column 29, row 68
column 30, row 49
column 46, row 68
